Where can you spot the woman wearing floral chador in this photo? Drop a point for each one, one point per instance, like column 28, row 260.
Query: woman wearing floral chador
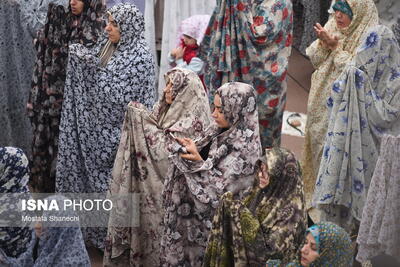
column 335, row 48
column 82, row 23
column 226, row 161
column 269, row 223
column 142, row 162
column 363, row 106
column 100, row 83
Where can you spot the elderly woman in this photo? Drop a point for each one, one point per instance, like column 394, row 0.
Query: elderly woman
column 99, row 86
column 82, row 23
column 46, row 245
column 363, row 106
column 142, row 162
column 250, row 41
column 268, row 224
column 336, row 46
column 326, row 244
column 224, row 160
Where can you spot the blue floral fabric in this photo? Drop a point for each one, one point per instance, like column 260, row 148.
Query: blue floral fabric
column 250, row 41
column 58, row 245
column 95, row 100
column 14, row 177
column 364, row 104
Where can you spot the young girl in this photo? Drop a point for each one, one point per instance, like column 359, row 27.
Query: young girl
column 190, row 34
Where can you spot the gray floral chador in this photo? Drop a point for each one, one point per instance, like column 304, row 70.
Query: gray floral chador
column 95, row 100
column 142, row 162
column 192, row 189
column 16, row 64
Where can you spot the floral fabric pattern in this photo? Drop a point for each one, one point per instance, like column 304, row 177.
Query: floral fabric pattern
column 334, row 247
column 58, row 245
column 16, row 64
column 250, row 41
column 364, row 105
column 329, row 65
column 267, row 224
column 192, row 189
column 379, row 229
column 142, row 162
column 95, row 101
column 14, row 177
column 46, row 95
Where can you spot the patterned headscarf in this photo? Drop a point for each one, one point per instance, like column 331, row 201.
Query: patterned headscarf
column 185, row 92
column 343, row 7
column 194, row 27
column 131, row 24
column 334, row 245
column 14, row 177
column 270, row 222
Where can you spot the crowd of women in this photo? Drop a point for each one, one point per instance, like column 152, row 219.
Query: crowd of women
column 212, row 185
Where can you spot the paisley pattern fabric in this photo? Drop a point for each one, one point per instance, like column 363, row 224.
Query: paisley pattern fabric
column 250, row 42
column 95, row 101
column 267, row 224
column 379, row 229
column 16, row 64
column 364, row 104
column 334, row 247
column 46, row 96
column 329, row 65
column 192, row 189
column 142, row 162
column 14, row 177
column 58, row 245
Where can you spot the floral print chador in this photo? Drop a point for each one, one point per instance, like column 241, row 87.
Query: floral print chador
column 142, row 163
column 46, row 96
column 250, row 41
column 268, row 223
column 192, row 189
column 329, row 65
column 364, row 104
column 95, row 101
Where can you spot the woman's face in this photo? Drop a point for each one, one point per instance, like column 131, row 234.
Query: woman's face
column 218, row 115
column 189, row 40
column 263, row 175
column 113, row 30
column 168, row 93
column 76, row 6
column 342, row 20
column 309, row 252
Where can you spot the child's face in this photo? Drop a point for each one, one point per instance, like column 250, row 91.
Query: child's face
column 189, row 40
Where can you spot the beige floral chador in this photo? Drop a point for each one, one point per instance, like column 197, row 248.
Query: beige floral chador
column 142, row 162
